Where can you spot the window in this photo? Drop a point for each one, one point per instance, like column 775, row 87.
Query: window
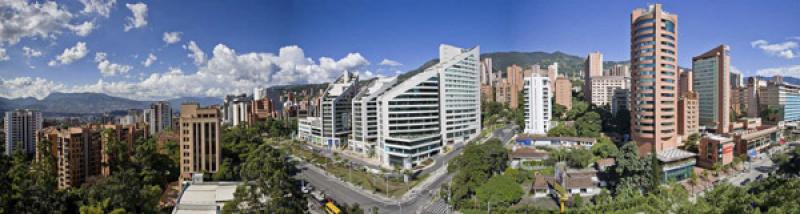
column 670, row 37
column 669, row 25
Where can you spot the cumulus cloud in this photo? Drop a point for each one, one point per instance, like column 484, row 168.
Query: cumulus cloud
column 30, row 52
column 172, row 37
column 70, row 54
column 28, row 87
column 139, row 18
column 195, row 53
column 389, row 62
column 784, row 50
column 226, row 72
column 21, row 19
column 82, row 29
column 108, row 68
column 101, row 7
column 150, row 59
column 790, row 71
column 3, row 55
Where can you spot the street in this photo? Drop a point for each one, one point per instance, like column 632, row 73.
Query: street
column 760, row 166
column 344, row 193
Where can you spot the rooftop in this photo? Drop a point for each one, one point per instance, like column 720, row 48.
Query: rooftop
column 205, row 197
column 674, row 155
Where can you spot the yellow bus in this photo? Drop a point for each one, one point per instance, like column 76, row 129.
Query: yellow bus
column 331, row 208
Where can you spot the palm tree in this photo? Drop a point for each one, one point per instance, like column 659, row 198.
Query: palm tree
column 693, row 181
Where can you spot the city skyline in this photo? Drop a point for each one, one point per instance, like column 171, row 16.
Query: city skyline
column 110, row 45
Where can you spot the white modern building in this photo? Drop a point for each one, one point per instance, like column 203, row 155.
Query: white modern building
column 335, row 109
column 236, row 109
column 438, row 105
column 603, row 87
column 538, row 102
column 309, row 129
column 460, row 94
column 365, row 117
column 20, row 128
column 158, row 117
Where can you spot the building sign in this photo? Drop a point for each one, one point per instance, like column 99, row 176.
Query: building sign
column 752, row 153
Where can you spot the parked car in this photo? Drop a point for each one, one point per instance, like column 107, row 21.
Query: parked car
column 745, row 182
column 760, row 177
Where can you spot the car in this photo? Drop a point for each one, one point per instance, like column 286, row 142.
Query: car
column 760, row 176
column 745, row 181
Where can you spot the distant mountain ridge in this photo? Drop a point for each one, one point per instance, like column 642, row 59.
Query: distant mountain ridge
column 58, row 103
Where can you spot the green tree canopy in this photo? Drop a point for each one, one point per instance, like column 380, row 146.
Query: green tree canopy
column 500, row 191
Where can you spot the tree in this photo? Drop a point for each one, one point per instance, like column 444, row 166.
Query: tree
column 474, row 167
column 605, row 148
column 631, row 170
column 562, row 130
column 500, row 191
column 579, row 158
column 578, row 109
column 621, row 122
column 691, row 143
column 726, row 198
column 558, row 111
column 272, row 188
column 588, row 125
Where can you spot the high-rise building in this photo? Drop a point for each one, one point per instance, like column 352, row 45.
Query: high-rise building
column 619, row 70
column 592, row 68
column 460, row 96
column 158, row 117
column 364, row 138
column 654, row 64
column 620, row 100
column 688, row 114
column 336, row 107
column 737, row 80
column 515, row 78
column 200, row 140
column 438, row 105
column 711, row 81
column 487, row 76
column 538, row 106
column 751, row 97
column 236, row 109
column 601, row 88
column 563, row 92
column 685, row 81
column 77, row 151
column 781, row 98
column 20, row 129
column 552, row 73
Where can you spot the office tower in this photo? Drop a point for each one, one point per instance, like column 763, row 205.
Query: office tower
column 20, row 129
column 711, row 81
column 654, row 48
column 236, row 109
column 592, row 68
column 781, row 98
column 620, row 100
column 515, row 79
column 336, row 107
column 537, row 94
column 200, row 140
column 487, row 78
column 601, row 88
column 563, row 92
column 364, row 139
column 460, row 95
column 438, row 105
column 737, row 80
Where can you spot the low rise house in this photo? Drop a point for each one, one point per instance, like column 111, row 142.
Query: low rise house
column 521, row 155
column 578, row 182
column 204, row 197
column 534, row 140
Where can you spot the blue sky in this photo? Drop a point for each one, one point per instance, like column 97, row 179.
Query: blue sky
column 233, row 46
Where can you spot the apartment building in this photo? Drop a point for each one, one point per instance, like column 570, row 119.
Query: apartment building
column 563, row 92
column 200, row 140
column 20, row 130
column 592, row 67
column 601, row 88
column 158, row 117
column 77, row 151
column 619, row 70
column 538, row 106
column 336, row 108
column 487, row 76
column 711, row 81
column 514, row 78
column 688, row 115
column 654, row 48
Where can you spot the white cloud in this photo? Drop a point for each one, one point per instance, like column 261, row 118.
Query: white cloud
column 172, row 37
column 784, row 50
column 101, row 7
column 30, row 52
column 21, row 19
column 789, row 71
column 71, row 54
column 225, row 72
column 389, row 62
column 3, row 55
column 139, row 18
column 82, row 29
column 107, row 68
column 195, row 53
column 150, row 59
column 28, row 87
